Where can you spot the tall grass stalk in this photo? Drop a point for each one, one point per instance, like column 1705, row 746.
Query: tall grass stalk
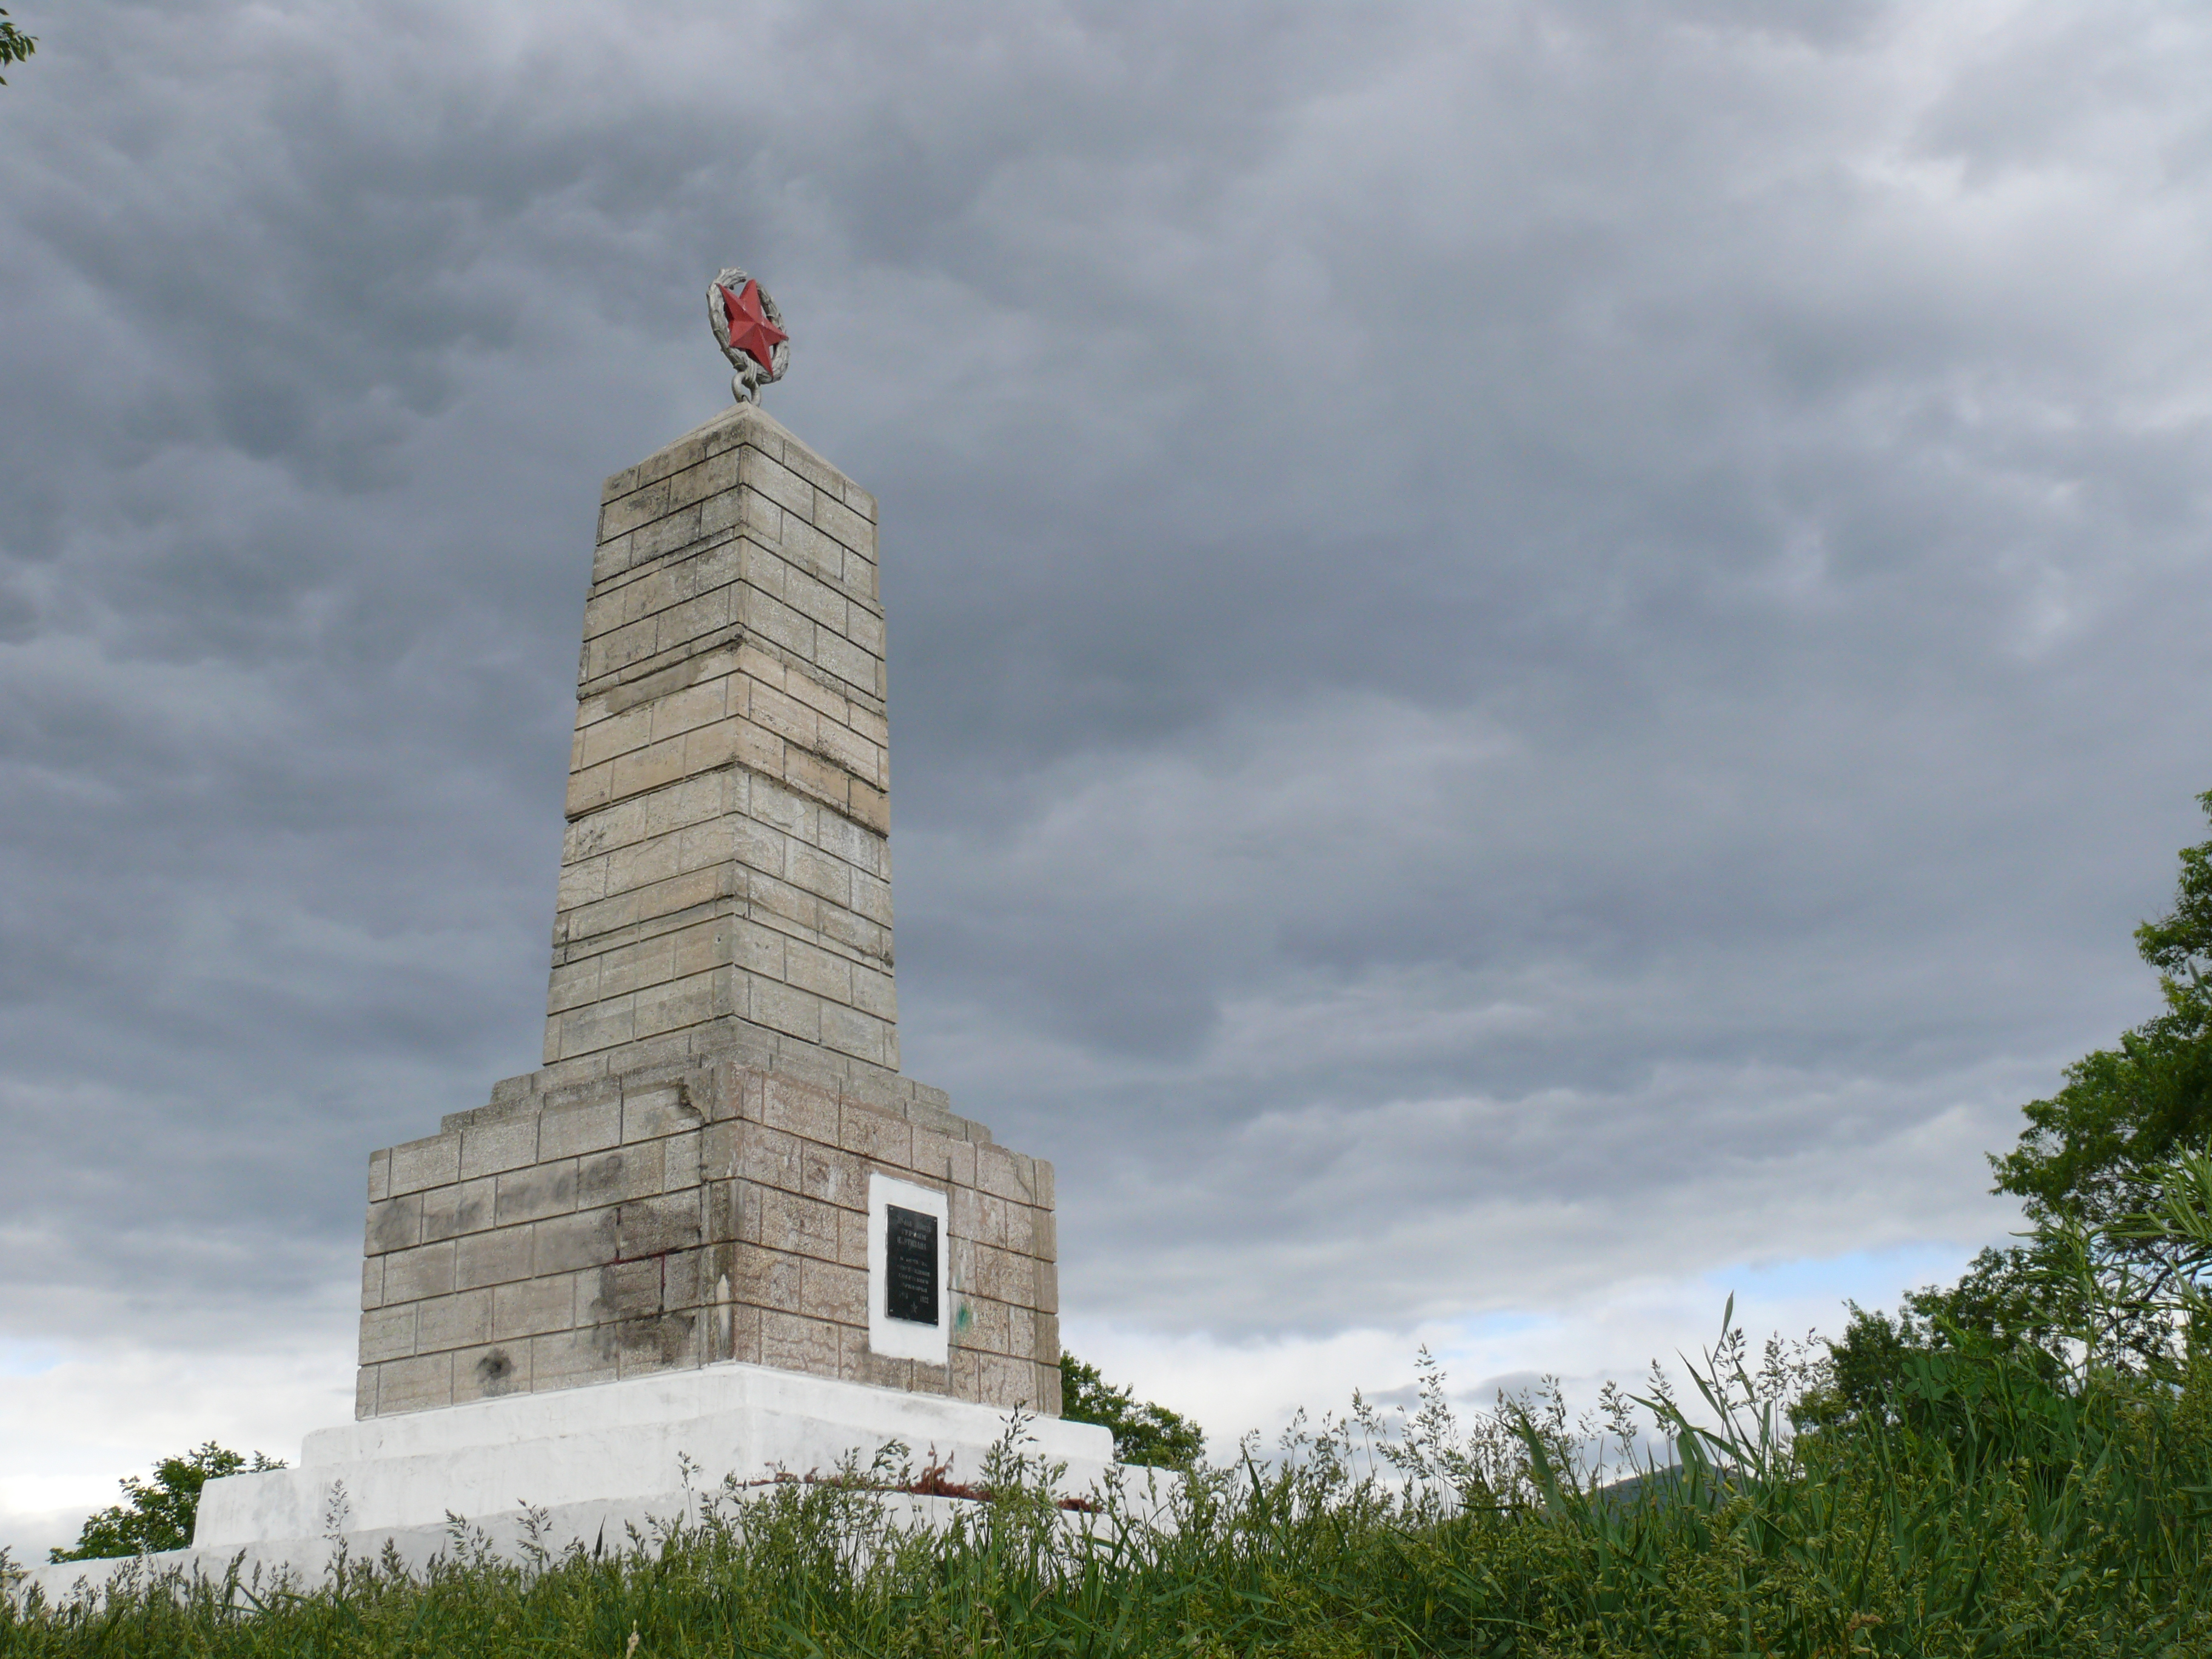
column 1986, row 1509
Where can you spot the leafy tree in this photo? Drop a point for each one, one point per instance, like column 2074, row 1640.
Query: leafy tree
column 159, row 1516
column 2088, row 1150
column 1146, row 1433
column 15, row 45
column 2098, row 1166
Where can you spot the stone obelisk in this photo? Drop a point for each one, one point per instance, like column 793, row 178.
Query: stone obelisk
column 703, row 1169
column 718, row 1230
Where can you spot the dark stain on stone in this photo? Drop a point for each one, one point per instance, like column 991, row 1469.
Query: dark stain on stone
column 495, row 1371
column 666, row 1338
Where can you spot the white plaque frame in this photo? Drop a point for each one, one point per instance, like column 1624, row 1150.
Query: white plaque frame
column 904, row 1339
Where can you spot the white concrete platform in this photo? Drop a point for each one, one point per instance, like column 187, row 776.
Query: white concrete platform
column 595, row 1461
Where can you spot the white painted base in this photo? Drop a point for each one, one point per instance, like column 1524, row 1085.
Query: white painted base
column 596, row 1460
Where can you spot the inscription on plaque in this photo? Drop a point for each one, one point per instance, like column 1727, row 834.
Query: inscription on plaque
column 910, row 1264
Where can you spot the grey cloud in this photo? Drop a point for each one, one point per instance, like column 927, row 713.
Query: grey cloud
column 1521, row 637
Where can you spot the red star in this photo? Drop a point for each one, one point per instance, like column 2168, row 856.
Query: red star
column 749, row 328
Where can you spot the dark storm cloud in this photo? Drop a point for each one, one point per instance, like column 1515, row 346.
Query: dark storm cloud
column 1524, row 638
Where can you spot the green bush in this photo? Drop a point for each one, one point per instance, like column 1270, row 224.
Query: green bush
column 158, row 1514
column 1146, row 1434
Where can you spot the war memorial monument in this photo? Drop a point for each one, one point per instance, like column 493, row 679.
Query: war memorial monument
column 718, row 1230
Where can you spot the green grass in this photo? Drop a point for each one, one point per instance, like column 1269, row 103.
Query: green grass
column 1985, row 1508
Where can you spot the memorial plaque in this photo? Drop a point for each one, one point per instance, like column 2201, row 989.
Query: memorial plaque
column 910, row 1264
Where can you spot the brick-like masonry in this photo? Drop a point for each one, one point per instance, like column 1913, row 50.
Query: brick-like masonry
column 729, row 813
column 684, row 1215
column 686, row 1180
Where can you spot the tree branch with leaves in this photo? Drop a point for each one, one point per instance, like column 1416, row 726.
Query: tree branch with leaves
column 15, row 45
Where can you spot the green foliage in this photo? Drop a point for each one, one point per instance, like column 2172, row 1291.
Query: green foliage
column 1990, row 1509
column 2125, row 1111
column 158, row 1516
column 15, row 45
column 1146, row 1434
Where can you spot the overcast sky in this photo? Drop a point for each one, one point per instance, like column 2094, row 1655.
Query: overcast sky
column 1541, row 653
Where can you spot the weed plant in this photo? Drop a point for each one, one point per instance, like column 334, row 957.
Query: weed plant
column 1985, row 1506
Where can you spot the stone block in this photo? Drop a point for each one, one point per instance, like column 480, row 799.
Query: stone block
column 454, row 1322
column 772, row 1157
column 1004, row 1174
column 788, row 1010
column 431, row 1162
column 620, row 1290
column 654, row 1224
column 852, row 1238
column 872, row 900
column 1049, row 1399
column 778, row 624
column 642, row 863
column 817, row 970
column 667, row 1341
column 568, row 1243
column 799, row 1343
column 833, row 1176
column 764, row 1278
column 687, row 1278
column 650, row 1113
column 533, row 1307
column 1005, row 1382
column 720, row 1147
column 794, row 1224
column 967, row 1369
column 567, row 1359
column 741, row 1334
column 683, row 1161
column 638, row 506
column 1001, row 1275
column 412, row 1275
column 821, row 780
column 851, row 1032
column 387, row 1334
column 491, row 1371
column 579, row 1126
column 873, row 994
column 380, row 1176
column 413, row 1385
column 394, row 1223
column 990, row 1219
column 983, row 1324
column 835, row 519
column 465, row 1208
column 531, row 1194
column 670, row 533
column 618, row 1175
column 827, row 1290
column 372, row 1282
column 876, row 1135
column 574, row 985
column 777, row 483
column 857, row 1363
column 497, row 1257
column 796, row 1109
